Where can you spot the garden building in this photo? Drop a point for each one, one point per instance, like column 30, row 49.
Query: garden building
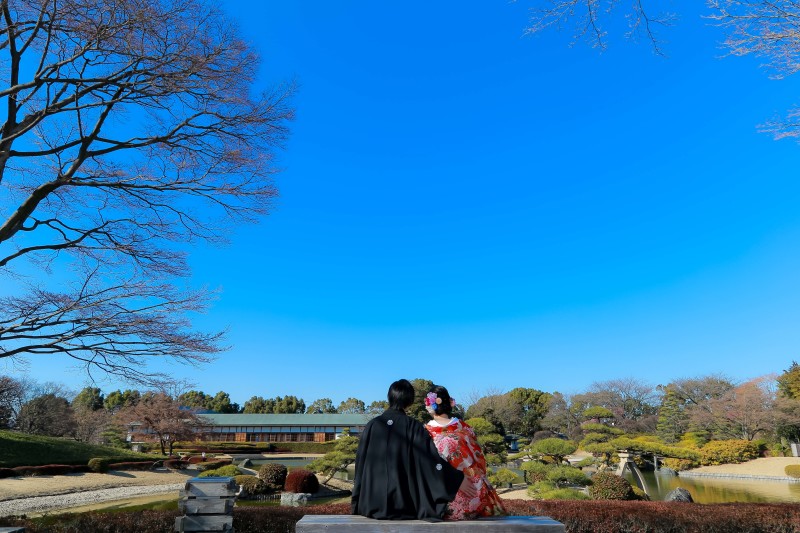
column 281, row 428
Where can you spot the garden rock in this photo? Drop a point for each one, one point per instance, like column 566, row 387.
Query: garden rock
column 294, row 499
column 679, row 495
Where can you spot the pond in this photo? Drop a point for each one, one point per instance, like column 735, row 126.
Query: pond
column 721, row 490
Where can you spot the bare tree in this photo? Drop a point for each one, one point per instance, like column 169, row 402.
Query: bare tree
column 633, row 402
column 161, row 417
column 129, row 134
column 743, row 412
column 591, row 17
column 12, row 396
column 769, row 29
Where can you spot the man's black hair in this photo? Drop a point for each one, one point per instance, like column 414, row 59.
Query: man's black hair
column 401, row 394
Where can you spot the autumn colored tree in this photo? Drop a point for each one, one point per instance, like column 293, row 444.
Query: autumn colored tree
column 744, row 412
column 129, row 132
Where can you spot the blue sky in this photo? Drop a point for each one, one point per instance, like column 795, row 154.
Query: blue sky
column 467, row 204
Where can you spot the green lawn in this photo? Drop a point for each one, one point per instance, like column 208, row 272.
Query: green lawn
column 21, row 449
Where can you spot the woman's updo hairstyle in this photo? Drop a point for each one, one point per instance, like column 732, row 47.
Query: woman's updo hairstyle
column 446, row 407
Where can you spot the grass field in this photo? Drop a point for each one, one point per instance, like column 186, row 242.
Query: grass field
column 21, row 449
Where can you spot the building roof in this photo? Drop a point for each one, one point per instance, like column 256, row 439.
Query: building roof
column 335, row 419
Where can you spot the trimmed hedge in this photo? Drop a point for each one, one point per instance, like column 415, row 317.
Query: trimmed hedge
column 104, row 464
column 212, row 465
column 608, row 486
column 577, row 516
column 251, row 485
column 792, row 470
column 175, row 464
column 224, row 471
column 224, row 447
column 47, row 470
column 301, row 480
column 133, row 465
column 305, row 447
column 719, row 452
column 274, row 474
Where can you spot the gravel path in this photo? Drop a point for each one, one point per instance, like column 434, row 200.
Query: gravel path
column 41, row 504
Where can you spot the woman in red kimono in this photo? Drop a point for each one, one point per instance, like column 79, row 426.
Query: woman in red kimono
column 456, row 442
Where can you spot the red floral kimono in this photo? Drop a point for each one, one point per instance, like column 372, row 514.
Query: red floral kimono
column 457, row 443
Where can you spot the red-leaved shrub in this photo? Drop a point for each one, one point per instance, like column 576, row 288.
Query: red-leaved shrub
column 175, row 464
column 578, row 517
column 48, row 470
column 301, row 480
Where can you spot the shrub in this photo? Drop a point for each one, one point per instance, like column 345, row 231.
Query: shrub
column 538, row 489
column 502, row 476
column 301, row 480
column 251, row 485
column 776, row 449
column 678, row 464
column 99, row 464
column 305, row 447
column 132, row 465
column 567, row 475
column 564, row 494
column 273, row 474
column 7, row 472
column 608, row 486
column 535, row 471
column 640, row 494
column 212, row 465
column 792, row 471
column 224, row 471
column 577, row 516
column 175, row 464
column 719, row 452
column 48, row 470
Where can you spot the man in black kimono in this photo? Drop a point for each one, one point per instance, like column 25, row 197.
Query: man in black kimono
column 399, row 474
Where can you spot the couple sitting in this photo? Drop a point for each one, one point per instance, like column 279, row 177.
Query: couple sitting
column 405, row 470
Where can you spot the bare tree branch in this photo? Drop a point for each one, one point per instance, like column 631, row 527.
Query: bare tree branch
column 129, row 130
column 591, row 17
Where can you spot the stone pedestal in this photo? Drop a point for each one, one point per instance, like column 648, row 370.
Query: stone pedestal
column 207, row 504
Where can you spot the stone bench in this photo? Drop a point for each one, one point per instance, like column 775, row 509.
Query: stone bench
column 207, row 504
column 360, row 524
